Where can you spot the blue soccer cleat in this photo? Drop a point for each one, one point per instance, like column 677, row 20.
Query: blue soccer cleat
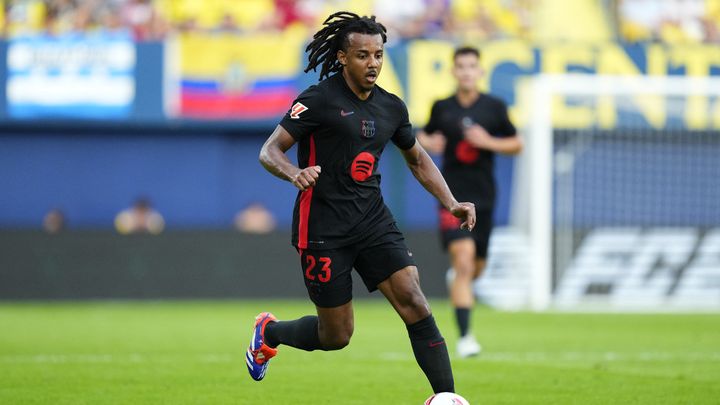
column 258, row 354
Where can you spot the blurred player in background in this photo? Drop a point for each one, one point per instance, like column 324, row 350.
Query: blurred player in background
column 340, row 221
column 255, row 218
column 468, row 128
column 54, row 221
column 140, row 218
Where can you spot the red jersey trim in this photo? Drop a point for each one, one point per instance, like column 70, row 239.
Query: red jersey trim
column 305, row 201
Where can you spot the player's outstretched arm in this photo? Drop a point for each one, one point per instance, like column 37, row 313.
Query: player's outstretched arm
column 425, row 171
column 274, row 159
column 478, row 137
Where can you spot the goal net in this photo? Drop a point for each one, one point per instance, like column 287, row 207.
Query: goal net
column 623, row 214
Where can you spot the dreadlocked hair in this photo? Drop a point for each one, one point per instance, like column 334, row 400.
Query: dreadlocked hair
column 334, row 37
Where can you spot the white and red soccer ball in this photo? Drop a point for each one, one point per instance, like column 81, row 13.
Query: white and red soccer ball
column 446, row 398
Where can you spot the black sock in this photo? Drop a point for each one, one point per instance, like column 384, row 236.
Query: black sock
column 462, row 316
column 431, row 354
column 301, row 333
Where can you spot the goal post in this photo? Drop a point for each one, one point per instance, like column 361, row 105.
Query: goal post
column 623, row 214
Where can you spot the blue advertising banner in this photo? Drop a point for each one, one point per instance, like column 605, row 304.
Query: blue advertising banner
column 88, row 77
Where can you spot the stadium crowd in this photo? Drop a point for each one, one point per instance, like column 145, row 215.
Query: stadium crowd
column 154, row 19
column 671, row 21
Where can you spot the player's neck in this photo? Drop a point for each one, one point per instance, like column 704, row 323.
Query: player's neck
column 466, row 98
column 359, row 92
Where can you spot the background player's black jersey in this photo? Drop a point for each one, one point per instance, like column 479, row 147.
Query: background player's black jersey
column 468, row 170
column 345, row 136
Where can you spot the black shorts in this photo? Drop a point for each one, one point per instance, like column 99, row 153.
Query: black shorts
column 327, row 272
column 450, row 230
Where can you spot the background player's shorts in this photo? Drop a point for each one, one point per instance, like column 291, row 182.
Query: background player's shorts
column 450, row 230
column 327, row 272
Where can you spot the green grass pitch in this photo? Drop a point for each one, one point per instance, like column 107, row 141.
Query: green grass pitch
column 191, row 352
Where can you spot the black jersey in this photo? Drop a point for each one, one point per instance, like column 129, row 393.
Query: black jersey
column 345, row 136
column 469, row 170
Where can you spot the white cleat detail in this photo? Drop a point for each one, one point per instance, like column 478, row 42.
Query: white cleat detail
column 467, row 346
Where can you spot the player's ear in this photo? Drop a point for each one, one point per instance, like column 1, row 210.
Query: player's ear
column 342, row 57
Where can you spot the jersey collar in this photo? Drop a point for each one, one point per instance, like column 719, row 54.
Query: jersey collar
column 338, row 76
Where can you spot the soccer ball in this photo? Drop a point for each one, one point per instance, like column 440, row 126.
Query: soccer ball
column 446, row 398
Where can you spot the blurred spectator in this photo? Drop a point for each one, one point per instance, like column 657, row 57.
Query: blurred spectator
column 228, row 24
column 670, row 21
column 291, row 13
column 682, row 21
column 140, row 218
column 403, row 19
column 143, row 19
column 255, row 219
column 24, row 17
column 638, row 19
column 111, row 19
column 218, row 15
column 472, row 22
column 61, row 17
column 437, row 18
column 477, row 20
column 54, row 221
column 321, row 9
column 711, row 21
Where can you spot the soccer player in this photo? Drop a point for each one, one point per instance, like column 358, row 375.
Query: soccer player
column 468, row 128
column 341, row 126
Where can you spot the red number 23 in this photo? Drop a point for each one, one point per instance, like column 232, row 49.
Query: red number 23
column 325, row 272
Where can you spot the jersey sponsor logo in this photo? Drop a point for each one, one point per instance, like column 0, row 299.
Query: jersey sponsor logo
column 368, row 129
column 466, row 153
column 297, row 109
column 343, row 113
column 362, row 166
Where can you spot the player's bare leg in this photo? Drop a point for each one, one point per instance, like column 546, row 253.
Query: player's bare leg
column 403, row 291
column 331, row 329
column 335, row 326
column 462, row 258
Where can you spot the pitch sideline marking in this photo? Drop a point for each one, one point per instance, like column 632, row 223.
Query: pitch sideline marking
column 385, row 356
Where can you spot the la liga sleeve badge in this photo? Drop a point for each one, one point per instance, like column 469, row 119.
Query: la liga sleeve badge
column 297, row 109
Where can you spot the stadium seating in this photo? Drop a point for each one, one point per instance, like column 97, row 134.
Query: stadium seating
column 579, row 20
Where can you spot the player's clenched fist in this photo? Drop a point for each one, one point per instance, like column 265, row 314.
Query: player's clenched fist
column 478, row 137
column 466, row 212
column 306, row 177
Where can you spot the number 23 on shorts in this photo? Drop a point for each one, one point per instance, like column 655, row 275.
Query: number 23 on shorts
column 323, row 273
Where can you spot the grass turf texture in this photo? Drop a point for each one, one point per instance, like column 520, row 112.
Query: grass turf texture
column 192, row 353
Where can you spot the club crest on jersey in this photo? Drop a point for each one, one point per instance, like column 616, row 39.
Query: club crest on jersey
column 297, row 109
column 368, row 129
